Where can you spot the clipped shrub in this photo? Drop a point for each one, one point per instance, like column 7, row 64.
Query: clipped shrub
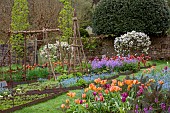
column 132, row 43
column 121, row 16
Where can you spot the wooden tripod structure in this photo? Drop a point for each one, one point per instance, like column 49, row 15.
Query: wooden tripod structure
column 25, row 34
column 77, row 56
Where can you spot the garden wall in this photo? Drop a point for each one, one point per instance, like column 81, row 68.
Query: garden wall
column 160, row 48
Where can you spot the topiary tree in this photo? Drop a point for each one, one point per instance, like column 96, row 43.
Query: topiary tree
column 121, row 16
column 19, row 21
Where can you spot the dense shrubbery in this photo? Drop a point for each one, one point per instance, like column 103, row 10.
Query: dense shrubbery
column 121, row 16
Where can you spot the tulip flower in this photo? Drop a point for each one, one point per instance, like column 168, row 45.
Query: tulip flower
column 101, row 98
column 83, row 95
column 63, row 106
column 71, row 94
column 94, row 93
column 163, row 106
column 67, row 101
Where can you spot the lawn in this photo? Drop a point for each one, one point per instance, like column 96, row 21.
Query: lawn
column 47, row 107
column 51, row 105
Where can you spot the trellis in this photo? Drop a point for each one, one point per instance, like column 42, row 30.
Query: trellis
column 76, row 59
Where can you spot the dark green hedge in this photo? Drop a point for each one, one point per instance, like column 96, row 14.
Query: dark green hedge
column 121, row 16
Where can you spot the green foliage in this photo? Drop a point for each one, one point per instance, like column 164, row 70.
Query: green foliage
column 121, row 16
column 37, row 73
column 65, row 19
column 19, row 21
column 90, row 43
column 83, row 33
column 81, row 82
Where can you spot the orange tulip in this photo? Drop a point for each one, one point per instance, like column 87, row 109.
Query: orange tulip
column 128, row 82
column 77, row 101
column 115, row 88
column 106, row 91
column 129, row 87
column 86, row 90
column 92, row 87
column 161, row 82
column 97, row 81
column 136, row 82
column 67, row 101
column 114, row 81
column 71, row 94
column 99, row 89
column 63, row 106
column 103, row 82
column 83, row 95
column 84, row 101
column 120, row 83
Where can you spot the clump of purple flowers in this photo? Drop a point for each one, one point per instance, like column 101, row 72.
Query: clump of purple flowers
column 112, row 62
column 124, row 96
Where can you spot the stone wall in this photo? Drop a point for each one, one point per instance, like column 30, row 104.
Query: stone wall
column 159, row 49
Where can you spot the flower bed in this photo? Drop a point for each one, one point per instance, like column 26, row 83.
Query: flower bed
column 129, row 95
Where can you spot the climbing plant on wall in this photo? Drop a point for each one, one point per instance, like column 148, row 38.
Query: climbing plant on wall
column 65, row 19
column 19, row 21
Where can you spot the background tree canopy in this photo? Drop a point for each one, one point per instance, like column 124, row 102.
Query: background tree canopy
column 120, row 16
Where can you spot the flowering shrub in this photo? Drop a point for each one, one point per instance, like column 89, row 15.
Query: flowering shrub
column 53, row 48
column 132, row 42
column 119, row 96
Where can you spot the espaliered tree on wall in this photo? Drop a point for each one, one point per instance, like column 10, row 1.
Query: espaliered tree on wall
column 65, row 19
column 19, row 21
column 121, row 16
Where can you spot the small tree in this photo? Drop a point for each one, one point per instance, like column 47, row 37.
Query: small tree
column 65, row 19
column 121, row 16
column 19, row 21
column 132, row 43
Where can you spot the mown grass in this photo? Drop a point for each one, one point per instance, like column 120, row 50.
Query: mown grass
column 50, row 106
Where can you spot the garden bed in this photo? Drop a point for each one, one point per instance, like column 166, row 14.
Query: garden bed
column 51, row 94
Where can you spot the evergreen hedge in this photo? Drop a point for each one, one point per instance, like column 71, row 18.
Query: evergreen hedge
column 120, row 16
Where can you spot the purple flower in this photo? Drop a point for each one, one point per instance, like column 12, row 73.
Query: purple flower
column 81, row 101
column 125, row 94
column 123, row 99
column 94, row 93
column 166, row 68
column 140, row 91
column 163, row 106
column 136, row 111
column 168, row 109
column 136, row 106
column 156, row 100
column 107, row 86
column 146, row 110
column 150, row 108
